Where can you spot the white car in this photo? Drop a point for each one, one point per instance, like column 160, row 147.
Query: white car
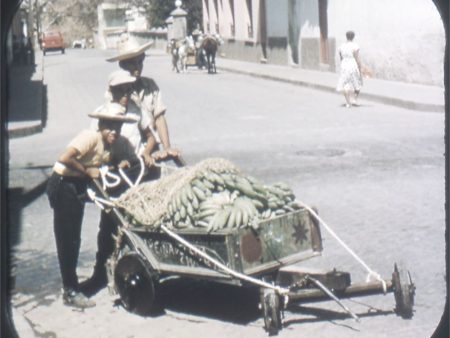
column 79, row 44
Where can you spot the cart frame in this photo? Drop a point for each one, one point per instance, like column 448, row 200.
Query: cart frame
column 143, row 257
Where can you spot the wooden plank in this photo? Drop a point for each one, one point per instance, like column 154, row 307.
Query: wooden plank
column 282, row 240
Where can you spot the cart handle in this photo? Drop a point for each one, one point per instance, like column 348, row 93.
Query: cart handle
column 139, row 178
column 99, row 201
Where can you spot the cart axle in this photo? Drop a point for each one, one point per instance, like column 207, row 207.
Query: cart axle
column 356, row 290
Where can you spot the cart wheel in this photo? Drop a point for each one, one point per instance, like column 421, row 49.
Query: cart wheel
column 135, row 284
column 270, row 303
column 404, row 291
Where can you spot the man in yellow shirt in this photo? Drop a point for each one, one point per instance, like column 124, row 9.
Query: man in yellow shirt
column 66, row 189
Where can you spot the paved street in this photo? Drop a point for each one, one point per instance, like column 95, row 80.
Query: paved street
column 375, row 172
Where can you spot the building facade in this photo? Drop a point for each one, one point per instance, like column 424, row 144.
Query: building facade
column 19, row 35
column 111, row 24
column 401, row 40
column 116, row 18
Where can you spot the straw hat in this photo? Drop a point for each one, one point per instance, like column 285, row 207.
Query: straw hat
column 119, row 77
column 112, row 111
column 128, row 48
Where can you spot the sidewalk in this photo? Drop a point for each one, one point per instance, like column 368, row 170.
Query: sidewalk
column 406, row 95
column 26, row 114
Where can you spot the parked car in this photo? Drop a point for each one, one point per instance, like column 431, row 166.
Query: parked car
column 52, row 41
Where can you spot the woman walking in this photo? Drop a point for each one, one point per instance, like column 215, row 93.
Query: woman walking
column 350, row 79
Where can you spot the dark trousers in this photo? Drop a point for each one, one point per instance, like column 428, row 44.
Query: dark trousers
column 105, row 241
column 66, row 197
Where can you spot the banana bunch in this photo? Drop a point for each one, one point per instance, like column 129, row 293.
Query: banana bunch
column 280, row 200
column 184, row 204
column 226, row 210
column 216, row 200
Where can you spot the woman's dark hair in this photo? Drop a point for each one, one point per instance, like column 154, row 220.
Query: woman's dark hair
column 350, row 35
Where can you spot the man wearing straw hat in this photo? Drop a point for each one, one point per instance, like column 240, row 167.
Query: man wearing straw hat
column 145, row 102
column 66, row 189
column 147, row 136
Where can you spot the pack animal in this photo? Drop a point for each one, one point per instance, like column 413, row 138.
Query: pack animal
column 210, row 44
column 179, row 50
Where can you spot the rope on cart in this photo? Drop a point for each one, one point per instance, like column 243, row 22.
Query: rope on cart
column 104, row 173
column 346, row 247
column 139, row 178
column 333, row 297
column 280, row 290
column 100, row 202
column 125, row 177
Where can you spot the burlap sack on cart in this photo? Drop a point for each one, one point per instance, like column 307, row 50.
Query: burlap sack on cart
column 147, row 203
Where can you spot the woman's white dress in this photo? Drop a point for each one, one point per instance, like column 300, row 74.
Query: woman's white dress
column 350, row 78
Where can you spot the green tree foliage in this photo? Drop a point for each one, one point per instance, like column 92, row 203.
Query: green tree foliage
column 78, row 12
column 160, row 10
column 194, row 18
column 75, row 19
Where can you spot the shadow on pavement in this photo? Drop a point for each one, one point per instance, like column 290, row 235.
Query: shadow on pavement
column 321, row 314
column 228, row 303
column 17, row 200
column 27, row 96
column 39, row 278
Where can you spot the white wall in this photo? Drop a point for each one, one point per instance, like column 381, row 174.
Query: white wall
column 400, row 39
column 309, row 18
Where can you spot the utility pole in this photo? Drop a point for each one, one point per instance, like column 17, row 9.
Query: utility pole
column 37, row 14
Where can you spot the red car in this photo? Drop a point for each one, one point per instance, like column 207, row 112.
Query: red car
column 51, row 41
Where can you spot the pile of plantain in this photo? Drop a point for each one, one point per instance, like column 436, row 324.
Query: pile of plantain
column 218, row 200
column 219, row 197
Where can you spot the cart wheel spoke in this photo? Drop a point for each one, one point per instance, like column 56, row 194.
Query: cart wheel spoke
column 404, row 291
column 135, row 284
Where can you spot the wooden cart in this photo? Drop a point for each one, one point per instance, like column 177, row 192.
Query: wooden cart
column 259, row 256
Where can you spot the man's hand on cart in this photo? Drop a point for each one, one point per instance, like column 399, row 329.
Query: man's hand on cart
column 169, row 153
column 148, row 160
column 124, row 165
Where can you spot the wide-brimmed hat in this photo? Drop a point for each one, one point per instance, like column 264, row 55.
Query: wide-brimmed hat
column 128, row 47
column 120, row 77
column 113, row 112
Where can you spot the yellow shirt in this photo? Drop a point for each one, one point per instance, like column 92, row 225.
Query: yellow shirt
column 92, row 152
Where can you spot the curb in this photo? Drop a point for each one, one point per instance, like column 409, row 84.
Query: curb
column 22, row 129
column 434, row 108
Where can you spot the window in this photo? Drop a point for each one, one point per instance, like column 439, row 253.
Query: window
column 250, row 24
